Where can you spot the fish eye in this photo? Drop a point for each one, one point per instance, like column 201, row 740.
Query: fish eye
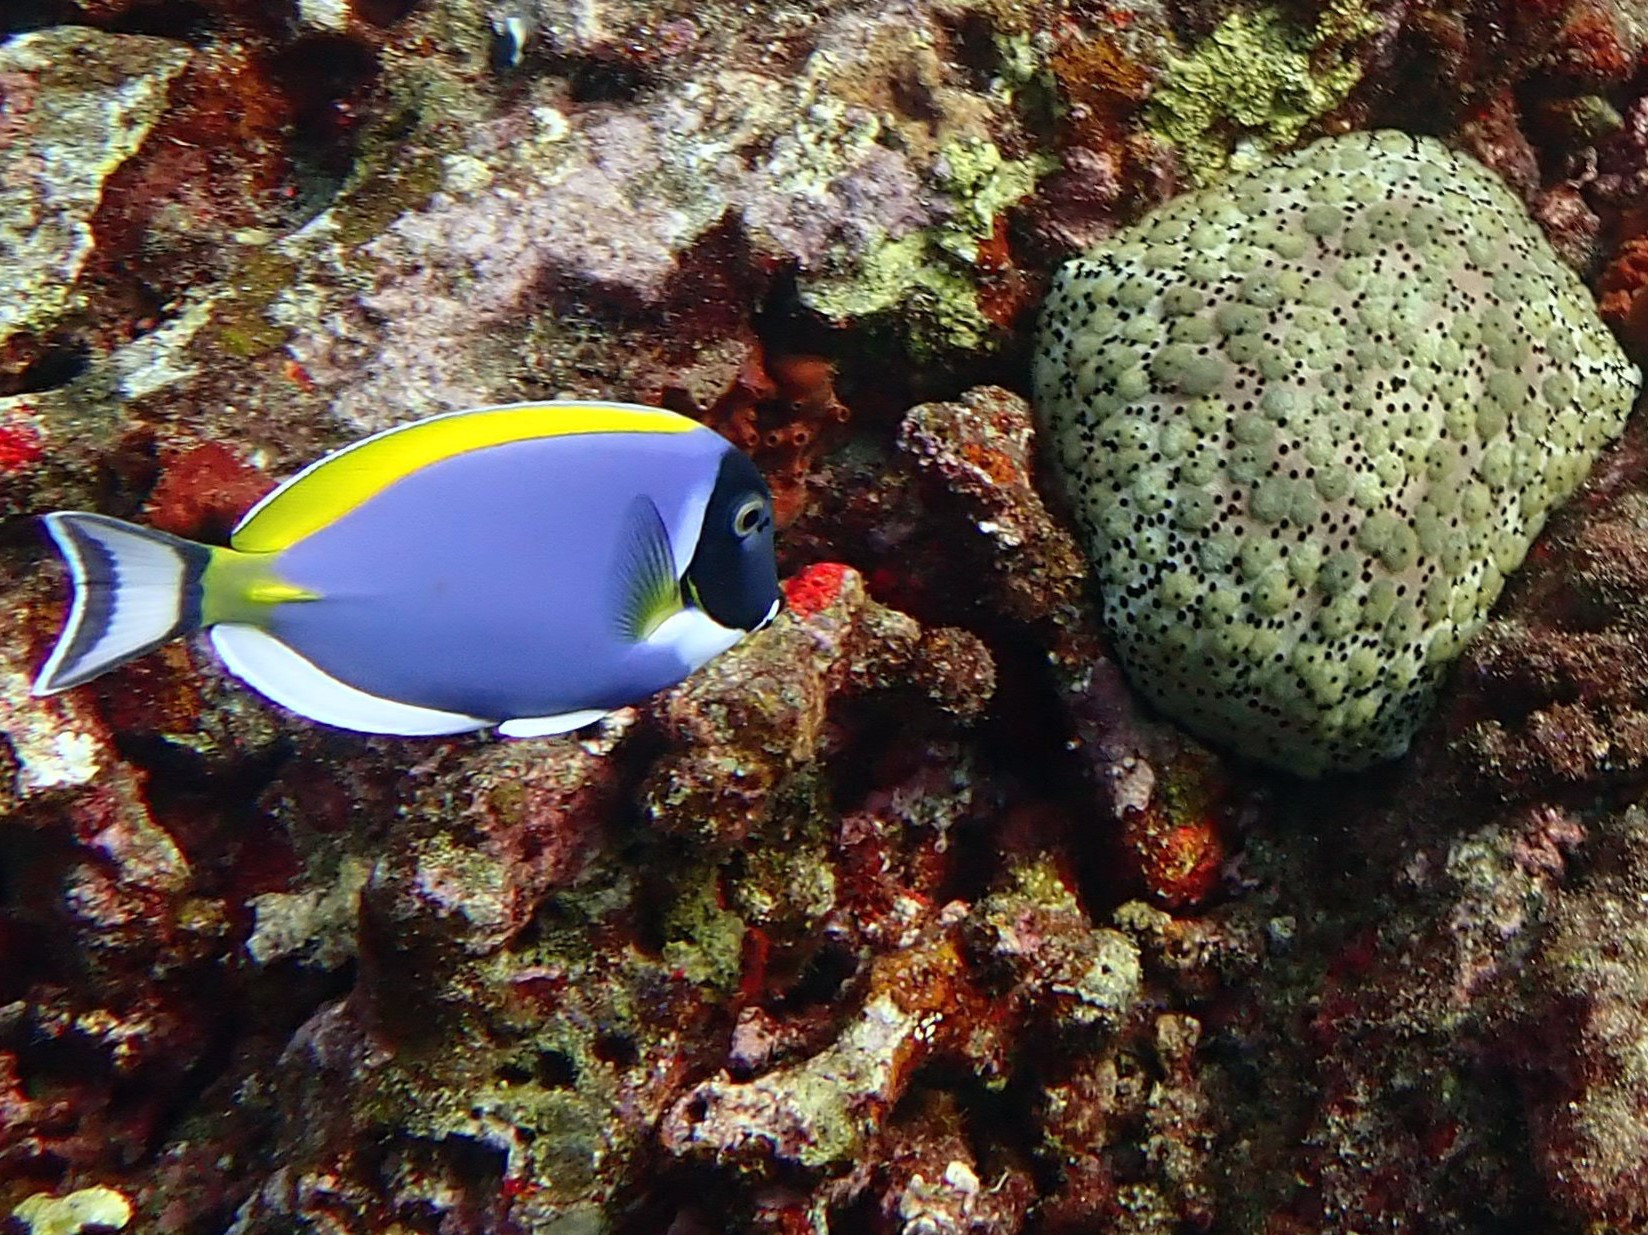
column 747, row 518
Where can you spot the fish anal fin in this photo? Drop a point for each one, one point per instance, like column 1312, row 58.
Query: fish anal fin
column 548, row 726
column 267, row 665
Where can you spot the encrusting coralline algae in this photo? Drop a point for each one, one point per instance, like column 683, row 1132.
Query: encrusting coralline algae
column 1308, row 422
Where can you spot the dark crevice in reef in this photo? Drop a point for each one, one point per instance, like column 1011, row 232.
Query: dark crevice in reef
column 383, row 13
column 596, row 79
column 172, row 19
column 184, row 20
column 56, row 364
column 20, row 15
column 327, row 79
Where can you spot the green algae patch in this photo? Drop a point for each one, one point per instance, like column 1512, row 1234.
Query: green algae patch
column 400, row 162
column 982, row 184
column 565, row 1110
column 1255, row 84
column 1037, row 881
column 705, row 940
column 899, row 274
column 386, row 190
column 929, row 277
column 788, row 883
column 240, row 325
column 101, row 1208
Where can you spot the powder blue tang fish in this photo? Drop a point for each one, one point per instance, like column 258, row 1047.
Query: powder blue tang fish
column 531, row 566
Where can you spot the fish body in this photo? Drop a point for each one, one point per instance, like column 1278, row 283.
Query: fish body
column 532, row 566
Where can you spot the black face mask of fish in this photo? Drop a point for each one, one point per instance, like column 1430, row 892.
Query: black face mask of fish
column 733, row 575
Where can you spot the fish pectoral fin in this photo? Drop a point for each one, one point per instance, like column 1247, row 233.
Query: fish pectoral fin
column 547, row 726
column 649, row 593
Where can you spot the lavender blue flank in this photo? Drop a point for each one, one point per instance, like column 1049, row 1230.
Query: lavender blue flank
column 486, row 583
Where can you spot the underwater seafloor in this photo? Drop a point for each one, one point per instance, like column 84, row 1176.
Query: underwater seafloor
column 903, row 916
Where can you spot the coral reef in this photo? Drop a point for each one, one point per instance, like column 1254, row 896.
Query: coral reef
column 783, row 411
column 1165, row 795
column 517, row 916
column 907, row 916
column 1498, row 969
column 1585, row 988
column 1624, row 288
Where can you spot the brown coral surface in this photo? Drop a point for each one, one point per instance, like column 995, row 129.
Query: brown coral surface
column 904, row 915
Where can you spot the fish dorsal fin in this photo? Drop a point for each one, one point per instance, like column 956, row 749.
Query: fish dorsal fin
column 649, row 593
column 331, row 487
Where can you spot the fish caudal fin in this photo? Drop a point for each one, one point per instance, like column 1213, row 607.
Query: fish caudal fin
column 134, row 589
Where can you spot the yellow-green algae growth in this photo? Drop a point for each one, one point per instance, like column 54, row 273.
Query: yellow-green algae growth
column 98, row 1207
column 1253, row 86
column 929, row 276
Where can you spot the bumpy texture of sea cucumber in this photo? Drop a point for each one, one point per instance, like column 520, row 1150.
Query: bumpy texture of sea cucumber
column 1308, row 421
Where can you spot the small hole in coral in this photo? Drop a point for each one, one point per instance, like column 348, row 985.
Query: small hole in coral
column 183, row 19
column 601, row 81
column 556, row 1070
column 57, row 365
column 326, row 79
column 617, row 1049
column 383, row 13
column 822, row 977
column 32, row 14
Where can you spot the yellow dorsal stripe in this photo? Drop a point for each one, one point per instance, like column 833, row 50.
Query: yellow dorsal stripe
column 343, row 480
